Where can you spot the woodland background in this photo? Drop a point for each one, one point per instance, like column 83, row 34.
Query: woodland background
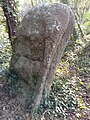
column 69, row 98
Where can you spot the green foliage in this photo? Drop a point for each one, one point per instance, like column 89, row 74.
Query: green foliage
column 61, row 99
column 5, row 54
column 71, row 86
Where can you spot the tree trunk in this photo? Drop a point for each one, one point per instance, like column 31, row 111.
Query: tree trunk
column 8, row 7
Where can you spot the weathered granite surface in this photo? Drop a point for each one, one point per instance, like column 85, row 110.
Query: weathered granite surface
column 41, row 39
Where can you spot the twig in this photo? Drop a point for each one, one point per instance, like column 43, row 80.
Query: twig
column 82, row 34
column 5, row 117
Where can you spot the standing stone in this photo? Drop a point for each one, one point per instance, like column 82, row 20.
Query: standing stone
column 41, row 39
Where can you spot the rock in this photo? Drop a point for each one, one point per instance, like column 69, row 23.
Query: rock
column 41, row 39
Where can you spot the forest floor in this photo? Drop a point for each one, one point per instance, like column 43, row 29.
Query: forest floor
column 78, row 72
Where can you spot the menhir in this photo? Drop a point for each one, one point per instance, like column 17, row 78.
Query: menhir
column 41, row 39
